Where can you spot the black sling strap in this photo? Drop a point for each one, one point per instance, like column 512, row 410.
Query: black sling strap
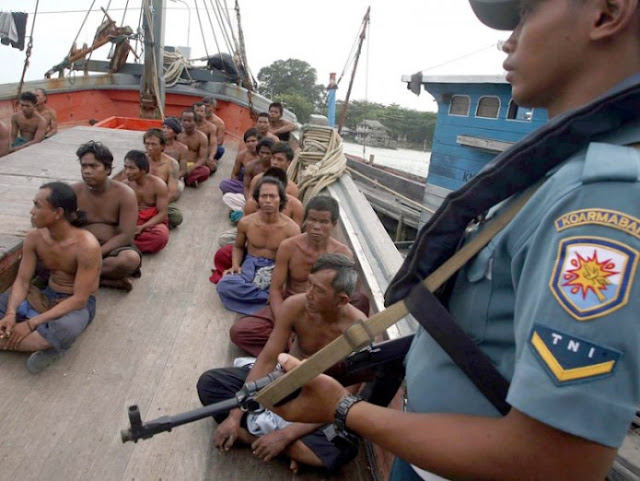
column 437, row 321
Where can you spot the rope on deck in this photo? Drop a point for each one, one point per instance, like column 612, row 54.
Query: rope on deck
column 319, row 163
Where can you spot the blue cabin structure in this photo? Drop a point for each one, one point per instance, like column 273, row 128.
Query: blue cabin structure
column 477, row 119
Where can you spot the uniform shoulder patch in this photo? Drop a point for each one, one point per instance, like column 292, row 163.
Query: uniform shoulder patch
column 569, row 359
column 592, row 276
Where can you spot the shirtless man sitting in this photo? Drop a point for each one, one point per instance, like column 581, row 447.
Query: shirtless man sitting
column 210, row 130
column 171, row 127
column 211, row 105
column 293, row 264
column 152, row 233
column 196, row 170
column 277, row 125
column 294, row 208
column 47, row 322
column 235, row 184
column 237, row 201
column 47, row 112
column 316, row 317
column 166, row 168
column 222, row 258
column 28, row 127
column 244, row 288
column 111, row 209
column 262, row 124
column 281, row 157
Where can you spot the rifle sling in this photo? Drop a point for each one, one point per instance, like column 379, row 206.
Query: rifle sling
column 477, row 366
column 362, row 333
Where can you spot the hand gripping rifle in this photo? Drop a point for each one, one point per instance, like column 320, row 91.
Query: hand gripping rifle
column 360, row 366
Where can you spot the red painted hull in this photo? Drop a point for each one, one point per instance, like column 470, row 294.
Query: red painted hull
column 85, row 107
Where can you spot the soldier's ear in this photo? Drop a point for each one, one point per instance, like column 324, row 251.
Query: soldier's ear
column 611, row 17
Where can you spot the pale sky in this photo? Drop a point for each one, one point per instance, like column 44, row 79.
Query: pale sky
column 405, row 36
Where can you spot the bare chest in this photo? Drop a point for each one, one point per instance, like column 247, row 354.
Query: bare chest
column 266, row 236
column 104, row 209
column 160, row 169
column 191, row 141
column 58, row 257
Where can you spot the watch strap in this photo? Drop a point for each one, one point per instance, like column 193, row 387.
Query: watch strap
column 342, row 409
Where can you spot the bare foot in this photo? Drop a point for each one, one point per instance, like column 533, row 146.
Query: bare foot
column 294, row 466
column 124, row 284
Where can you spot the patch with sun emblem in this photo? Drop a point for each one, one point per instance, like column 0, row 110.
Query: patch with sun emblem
column 593, row 276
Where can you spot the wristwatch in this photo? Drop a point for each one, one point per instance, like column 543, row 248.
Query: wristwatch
column 342, row 409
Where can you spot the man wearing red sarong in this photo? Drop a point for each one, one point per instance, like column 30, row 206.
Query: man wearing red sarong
column 152, row 231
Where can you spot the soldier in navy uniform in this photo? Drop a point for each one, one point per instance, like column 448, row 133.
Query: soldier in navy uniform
column 550, row 300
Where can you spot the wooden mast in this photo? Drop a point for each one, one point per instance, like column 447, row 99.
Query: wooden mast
column 152, row 84
column 363, row 33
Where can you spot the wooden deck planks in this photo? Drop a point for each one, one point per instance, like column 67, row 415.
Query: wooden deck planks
column 147, row 347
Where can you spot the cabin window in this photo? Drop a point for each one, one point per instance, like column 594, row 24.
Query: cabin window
column 459, row 105
column 488, row 107
column 519, row 113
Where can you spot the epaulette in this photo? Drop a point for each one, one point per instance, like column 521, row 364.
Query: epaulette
column 611, row 163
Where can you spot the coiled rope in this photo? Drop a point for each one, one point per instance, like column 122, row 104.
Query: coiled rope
column 175, row 63
column 319, row 163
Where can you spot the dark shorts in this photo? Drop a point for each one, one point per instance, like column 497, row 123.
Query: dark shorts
column 63, row 331
column 132, row 247
column 335, row 453
column 219, row 153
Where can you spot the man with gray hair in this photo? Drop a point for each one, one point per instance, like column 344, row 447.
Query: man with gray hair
column 316, row 317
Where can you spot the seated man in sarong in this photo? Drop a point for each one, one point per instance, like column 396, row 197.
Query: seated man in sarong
column 294, row 210
column 210, row 130
column 171, row 127
column 112, row 209
column 152, row 231
column 211, row 105
column 47, row 322
column 235, row 184
column 316, row 318
column 237, row 201
column 47, row 112
column 281, row 157
column 293, row 264
column 166, row 168
column 244, row 287
column 28, row 127
column 196, row 170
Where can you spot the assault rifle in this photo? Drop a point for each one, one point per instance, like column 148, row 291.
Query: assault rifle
column 361, row 366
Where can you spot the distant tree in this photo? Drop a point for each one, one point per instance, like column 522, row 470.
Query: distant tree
column 298, row 104
column 291, row 76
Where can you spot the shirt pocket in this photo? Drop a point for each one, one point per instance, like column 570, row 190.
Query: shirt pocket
column 470, row 307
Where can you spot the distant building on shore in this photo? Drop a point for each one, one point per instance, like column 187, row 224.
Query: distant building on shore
column 372, row 132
